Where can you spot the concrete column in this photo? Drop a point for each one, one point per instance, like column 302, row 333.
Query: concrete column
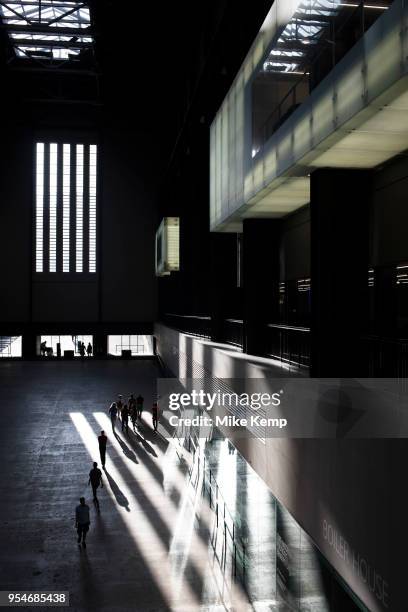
column 260, row 280
column 30, row 346
column 339, row 269
column 224, row 292
column 100, row 345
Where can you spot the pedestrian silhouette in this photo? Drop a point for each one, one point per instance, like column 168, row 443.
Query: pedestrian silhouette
column 139, row 404
column 95, row 480
column 102, row 440
column 113, row 411
column 155, row 415
column 82, row 521
column 125, row 418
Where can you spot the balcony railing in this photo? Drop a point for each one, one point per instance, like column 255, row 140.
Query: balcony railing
column 289, row 345
column 386, row 357
column 233, row 332
column 189, row 324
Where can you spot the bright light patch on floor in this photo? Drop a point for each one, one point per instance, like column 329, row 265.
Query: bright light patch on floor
column 154, row 552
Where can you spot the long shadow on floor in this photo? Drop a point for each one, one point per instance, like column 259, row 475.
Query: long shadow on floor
column 126, row 450
column 119, row 496
column 195, row 578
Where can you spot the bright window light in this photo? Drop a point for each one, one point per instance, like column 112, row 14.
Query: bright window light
column 137, row 345
column 10, row 346
column 92, row 207
column 66, row 204
column 79, row 207
column 39, row 229
column 305, row 30
column 53, row 206
column 62, row 198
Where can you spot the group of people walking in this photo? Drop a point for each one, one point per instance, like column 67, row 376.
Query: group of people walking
column 132, row 410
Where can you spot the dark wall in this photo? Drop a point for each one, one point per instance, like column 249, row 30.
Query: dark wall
column 129, row 222
column 295, row 245
column 15, row 225
column 389, row 220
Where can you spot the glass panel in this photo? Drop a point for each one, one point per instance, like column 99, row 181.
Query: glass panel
column 92, row 207
column 53, row 206
column 39, row 230
column 138, row 345
column 79, row 207
column 66, row 207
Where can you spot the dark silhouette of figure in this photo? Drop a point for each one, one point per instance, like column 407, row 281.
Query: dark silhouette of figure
column 133, row 416
column 102, row 440
column 113, row 411
column 89, row 350
column 43, row 348
column 81, row 349
column 155, row 415
column 119, row 404
column 82, row 521
column 125, row 418
column 95, row 480
column 132, row 409
column 139, row 403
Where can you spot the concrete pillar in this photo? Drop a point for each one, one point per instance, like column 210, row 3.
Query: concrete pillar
column 260, row 280
column 223, row 282
column 30, row 346
column 100, row 345
column 339, row 269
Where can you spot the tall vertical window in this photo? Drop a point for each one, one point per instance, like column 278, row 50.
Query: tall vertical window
column 79, row 207
column 53, row 207
column 39, row 217
column 92, row 207
column 66, row 207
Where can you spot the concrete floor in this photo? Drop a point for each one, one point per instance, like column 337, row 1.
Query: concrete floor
column 149, row 548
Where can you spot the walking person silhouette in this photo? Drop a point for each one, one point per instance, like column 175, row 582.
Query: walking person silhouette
column 82, row 521
column 95, row 480
column 102, row 440
column 113, row 411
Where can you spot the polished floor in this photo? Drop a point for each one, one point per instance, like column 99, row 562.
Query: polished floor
column 151, row 547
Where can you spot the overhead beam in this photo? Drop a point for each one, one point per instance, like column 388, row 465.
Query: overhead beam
column 68, row 13
column 51, row 44
column 19, row 15
column 52, row 31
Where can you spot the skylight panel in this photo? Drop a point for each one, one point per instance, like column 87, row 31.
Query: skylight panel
column 305, row 29
column 37, row 17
